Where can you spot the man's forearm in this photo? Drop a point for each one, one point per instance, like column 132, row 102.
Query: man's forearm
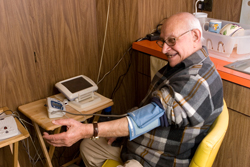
column 116, row 128
column 77, row 131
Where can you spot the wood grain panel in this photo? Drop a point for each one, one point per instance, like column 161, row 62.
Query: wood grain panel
column 65, row 40
column 151, row 13
column 237, row 97
column 16, row 54
column 225, row 10
column 121, row 31
column 143, row 61
column 235, row 147
column 142, row 86
column 43, row 42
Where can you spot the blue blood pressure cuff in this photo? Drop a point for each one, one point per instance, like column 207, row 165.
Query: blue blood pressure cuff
column 144, row 119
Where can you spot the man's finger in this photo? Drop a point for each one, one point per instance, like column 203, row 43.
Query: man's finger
column 56, row 144
column 62, row 122
column 54, row 137
column 111, row 140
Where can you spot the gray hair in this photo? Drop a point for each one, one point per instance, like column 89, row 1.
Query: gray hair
column 194, row 23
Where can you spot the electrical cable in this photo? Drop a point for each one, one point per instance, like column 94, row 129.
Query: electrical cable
column 196, row 5
column 101, row 115
column 39, row 157
column 114, row 66
column 118, row 84
column 103, row 46
column 123, row 75
column 16, row 115
column 120, row 79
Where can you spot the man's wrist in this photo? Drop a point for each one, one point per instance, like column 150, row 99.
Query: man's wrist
column 95, row 131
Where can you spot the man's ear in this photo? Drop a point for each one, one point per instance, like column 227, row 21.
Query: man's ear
column 196, row 35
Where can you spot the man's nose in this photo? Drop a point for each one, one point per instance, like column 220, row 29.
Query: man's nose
column 165, row 48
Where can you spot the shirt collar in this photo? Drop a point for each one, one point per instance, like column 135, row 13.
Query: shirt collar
column 196, row 58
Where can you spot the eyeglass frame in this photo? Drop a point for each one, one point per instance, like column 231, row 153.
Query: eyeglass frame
column 175, row 39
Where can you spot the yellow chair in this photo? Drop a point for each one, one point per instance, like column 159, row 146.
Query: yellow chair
column 111, row 163
column 207, row 150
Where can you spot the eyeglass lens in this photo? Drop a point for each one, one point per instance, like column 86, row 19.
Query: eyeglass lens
column 171, row 41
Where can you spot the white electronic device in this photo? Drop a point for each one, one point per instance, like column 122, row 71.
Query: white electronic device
column 79, row 90
column 54, row 105
column 8, row 127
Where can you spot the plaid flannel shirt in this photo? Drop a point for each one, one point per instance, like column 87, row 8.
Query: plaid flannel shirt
column 197, row 90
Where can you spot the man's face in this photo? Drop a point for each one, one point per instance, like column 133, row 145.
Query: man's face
column 183, row 46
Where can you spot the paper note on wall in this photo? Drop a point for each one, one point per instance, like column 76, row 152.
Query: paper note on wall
column 245, row 12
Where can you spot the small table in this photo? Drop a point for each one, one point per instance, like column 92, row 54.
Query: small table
column 15, row 139
column 37, row 112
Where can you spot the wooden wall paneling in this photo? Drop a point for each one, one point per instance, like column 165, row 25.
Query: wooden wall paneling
column 235, row 147
column 151, row 13
column 142, row 87
column 65, row 40
column 143, row 61
column 44, row 42
column 234, row 150
column 6, row 152
column 122, row 29
column 143, row 75
column 225, row 10
column 237, row 97
column 16, row 54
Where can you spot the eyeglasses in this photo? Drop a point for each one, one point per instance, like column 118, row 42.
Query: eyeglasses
column 171, row 41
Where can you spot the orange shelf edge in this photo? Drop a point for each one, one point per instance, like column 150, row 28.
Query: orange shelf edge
column 151, row 48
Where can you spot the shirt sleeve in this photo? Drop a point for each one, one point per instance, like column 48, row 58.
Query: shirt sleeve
column 187, row 100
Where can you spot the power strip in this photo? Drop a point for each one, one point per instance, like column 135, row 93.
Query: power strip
column 153, row 37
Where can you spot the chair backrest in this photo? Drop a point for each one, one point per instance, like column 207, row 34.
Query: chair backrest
column 207, row 150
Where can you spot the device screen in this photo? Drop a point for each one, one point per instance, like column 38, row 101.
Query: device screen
column 76, row 84
column 56, row 105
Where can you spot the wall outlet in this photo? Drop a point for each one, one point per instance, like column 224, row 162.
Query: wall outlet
column 200, row 5
column 208, row 4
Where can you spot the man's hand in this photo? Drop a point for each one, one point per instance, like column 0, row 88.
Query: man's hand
column 75, row 132
column 111, row 140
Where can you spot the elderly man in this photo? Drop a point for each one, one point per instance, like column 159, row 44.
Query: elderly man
column 184, row 99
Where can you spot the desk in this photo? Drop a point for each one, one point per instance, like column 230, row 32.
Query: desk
column 14, row 140
column 37, row 112
column 234, row 150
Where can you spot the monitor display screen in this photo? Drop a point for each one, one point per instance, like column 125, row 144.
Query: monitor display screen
column 77, row 84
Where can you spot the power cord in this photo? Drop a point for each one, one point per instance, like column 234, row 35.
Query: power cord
column 32, row 160
column 101, row 115
column 104, row 40
column 120, row 79
column 196, row 5
column 114, row 66
column 26, row 146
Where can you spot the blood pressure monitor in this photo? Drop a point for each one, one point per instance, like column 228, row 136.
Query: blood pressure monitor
column 79, row 90
column 53, row 106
